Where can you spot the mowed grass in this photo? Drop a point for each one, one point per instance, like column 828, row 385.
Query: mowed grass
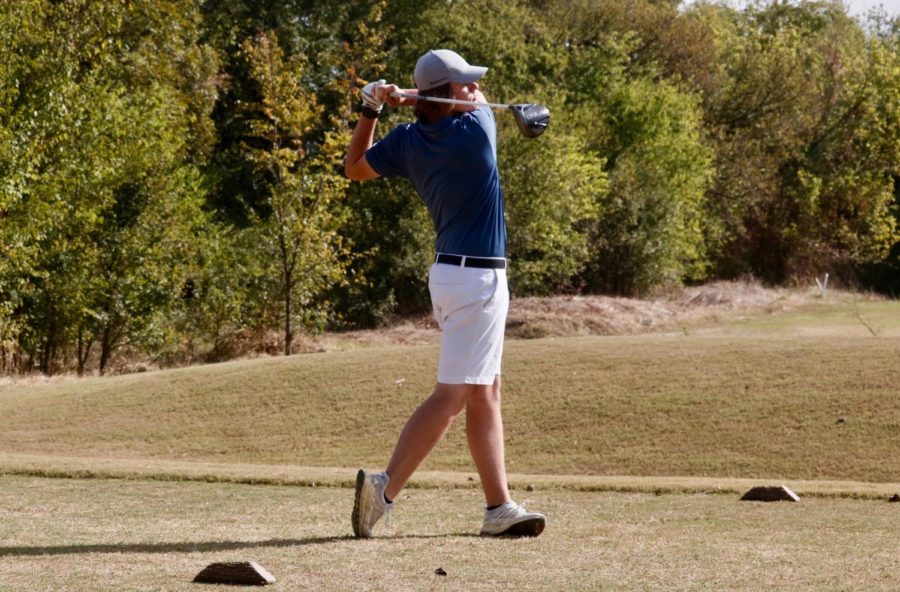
column 756, row 405
column 98, row 535
column 840, row 315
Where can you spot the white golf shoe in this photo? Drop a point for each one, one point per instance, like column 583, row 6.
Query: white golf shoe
column 511, row 519
column 369, row 504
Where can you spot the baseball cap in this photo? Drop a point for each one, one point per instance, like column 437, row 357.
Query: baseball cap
column 440, row 66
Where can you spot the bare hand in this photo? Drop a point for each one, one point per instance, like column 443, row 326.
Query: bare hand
column 385, row 94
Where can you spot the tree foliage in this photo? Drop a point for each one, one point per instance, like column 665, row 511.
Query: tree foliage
column 170, row 172
column 104, row 113
column 805, row 150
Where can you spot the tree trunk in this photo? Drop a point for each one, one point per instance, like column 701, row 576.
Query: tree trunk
column 47, row 350
column 288, row 333
column 105, row 348
column 83, row 351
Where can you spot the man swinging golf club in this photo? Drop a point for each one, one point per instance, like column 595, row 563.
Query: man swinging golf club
column 450, row 156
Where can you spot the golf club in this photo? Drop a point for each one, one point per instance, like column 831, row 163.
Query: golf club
column 532, row 119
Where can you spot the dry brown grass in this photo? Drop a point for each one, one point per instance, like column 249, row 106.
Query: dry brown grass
column 566, row 316
column 712, row 307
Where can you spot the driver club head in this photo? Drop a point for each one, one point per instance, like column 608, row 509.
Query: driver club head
column 532, row 119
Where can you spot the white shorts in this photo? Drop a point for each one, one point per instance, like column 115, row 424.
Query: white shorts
column 470, row 305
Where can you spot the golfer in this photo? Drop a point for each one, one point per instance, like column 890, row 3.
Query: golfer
column 449, row 154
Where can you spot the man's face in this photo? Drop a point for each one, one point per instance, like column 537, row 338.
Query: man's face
column 464, row 91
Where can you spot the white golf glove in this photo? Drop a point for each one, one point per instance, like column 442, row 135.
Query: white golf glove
column 369, row 98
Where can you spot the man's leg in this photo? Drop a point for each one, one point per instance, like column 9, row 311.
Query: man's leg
column 484, row 431
column 424, row 429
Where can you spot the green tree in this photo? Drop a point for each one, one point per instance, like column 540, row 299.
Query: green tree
column 341, row 42
column 103, row 105
column 300, row 233
column 803, row 182
column 651, row 229
column 338, row 40
column 555, row 188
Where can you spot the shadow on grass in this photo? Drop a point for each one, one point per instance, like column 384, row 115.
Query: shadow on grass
column 206, row 547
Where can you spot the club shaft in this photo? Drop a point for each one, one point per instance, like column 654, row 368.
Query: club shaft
column 449, row 101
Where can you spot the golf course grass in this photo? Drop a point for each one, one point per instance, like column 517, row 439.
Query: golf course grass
column 110, row 535
column 637, row 447
column 715, row 406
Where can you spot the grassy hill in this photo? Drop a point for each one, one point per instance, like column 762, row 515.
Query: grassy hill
column 204, row 459
column 755, row 405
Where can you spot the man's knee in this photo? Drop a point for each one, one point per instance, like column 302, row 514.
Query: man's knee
column 452, row 397
column 485, row 394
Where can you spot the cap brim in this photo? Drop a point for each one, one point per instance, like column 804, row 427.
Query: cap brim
column 472, row 74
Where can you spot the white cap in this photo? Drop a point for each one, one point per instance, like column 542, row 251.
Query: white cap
column 440, row 66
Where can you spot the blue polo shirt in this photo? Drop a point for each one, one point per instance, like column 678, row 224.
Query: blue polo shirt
column 452, row 164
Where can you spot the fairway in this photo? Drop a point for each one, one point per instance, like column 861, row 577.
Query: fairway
column 637, row 448
column 88, row 536
column 813, row 408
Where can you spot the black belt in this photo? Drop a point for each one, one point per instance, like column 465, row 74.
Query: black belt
column 479, row 262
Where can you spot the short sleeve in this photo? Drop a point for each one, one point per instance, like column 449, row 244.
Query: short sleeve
column 485, row 119
column 386, row 156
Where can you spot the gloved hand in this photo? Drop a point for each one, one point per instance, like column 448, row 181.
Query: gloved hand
column 370, row 97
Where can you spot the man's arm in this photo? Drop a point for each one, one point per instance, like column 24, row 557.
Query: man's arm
column 356, row 167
